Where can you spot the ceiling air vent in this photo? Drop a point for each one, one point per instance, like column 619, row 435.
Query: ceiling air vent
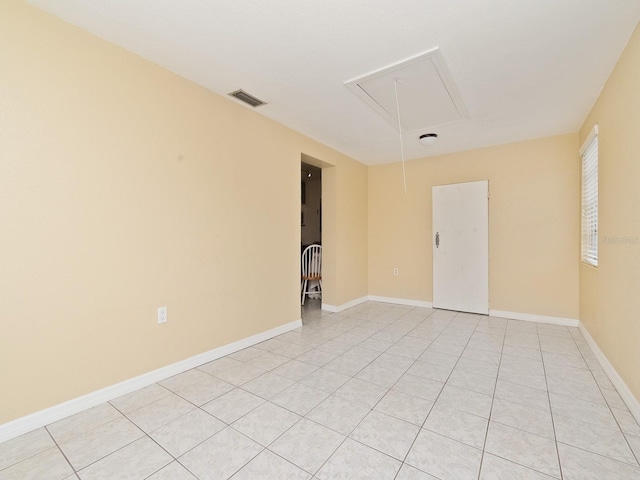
column 247, row 98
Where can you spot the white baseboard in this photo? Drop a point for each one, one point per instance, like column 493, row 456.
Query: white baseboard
column 344, row 306
column 627, row 396
column 401, row 301
column 375, row 298
column 57, row 412
column 329, row 308
column 527, row 317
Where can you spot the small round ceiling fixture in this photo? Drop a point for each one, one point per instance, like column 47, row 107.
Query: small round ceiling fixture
column 428, row 138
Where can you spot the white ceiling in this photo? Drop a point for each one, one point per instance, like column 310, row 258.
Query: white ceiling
column 523, row 68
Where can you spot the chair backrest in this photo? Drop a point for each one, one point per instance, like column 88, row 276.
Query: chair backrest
column 312, row 261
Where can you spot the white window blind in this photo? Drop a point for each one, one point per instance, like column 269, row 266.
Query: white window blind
column 589, row 154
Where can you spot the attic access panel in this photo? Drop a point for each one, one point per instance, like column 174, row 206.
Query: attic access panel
column 427, row 95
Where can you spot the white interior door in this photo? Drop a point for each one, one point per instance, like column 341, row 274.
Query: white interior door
column 461, row 247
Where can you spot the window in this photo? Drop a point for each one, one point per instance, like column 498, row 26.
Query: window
column 589, row 154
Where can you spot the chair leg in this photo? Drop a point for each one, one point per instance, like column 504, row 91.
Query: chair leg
column 304, row 290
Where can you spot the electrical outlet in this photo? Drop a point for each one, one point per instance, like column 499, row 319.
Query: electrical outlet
column 162, row 315
column 395, row 271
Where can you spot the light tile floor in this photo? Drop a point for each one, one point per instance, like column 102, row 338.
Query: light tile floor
column 378, row 391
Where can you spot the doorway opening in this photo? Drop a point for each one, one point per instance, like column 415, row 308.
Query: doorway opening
column 311, row 232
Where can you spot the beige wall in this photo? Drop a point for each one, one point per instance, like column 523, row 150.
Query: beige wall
column 609, row 304
column 124, row 187
column 533, row 229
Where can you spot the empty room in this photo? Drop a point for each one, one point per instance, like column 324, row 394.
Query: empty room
column 319, row 240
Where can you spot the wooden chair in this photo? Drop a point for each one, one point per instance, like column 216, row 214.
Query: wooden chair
column 311, row 270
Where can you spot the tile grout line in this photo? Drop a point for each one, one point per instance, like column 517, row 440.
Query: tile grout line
column 145, row 434
column 403, row 461
column 148, row 434
column 360, row 422
column 345, row 436
column 493, row 397
column 371, row 409
column 531, row 407
column 439, row 393
column 90, row 430
column 521, row 430
column 547, row 391
column 553, row 423
column 624, row 436
column 305, row 416
column 75, row 472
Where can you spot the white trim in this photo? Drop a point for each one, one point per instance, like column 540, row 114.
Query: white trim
column 375, row 298
column 528, row 317
column 401, row 301
column 587, row 141
column 344, row 306
column 49, row 415
column 627, row 396
column 329, row 308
